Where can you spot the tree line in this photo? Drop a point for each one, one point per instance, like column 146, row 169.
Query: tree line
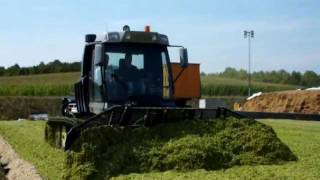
column 55, row 66
column 307, row 78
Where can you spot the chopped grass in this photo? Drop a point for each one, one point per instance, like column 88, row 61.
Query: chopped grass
column 182, row 146
column 27, row 138
column 302, row 137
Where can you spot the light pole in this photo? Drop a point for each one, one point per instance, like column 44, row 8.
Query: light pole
column 249, row 35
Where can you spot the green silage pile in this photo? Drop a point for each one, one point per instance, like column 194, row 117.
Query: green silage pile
column 104, row 152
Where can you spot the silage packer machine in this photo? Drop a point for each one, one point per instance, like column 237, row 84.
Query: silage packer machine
column 127, row 79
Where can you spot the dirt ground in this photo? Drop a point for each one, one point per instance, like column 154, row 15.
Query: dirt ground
column 18, row 168
column 298, row 101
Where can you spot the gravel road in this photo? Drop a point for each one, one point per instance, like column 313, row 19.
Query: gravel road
column 19, row 169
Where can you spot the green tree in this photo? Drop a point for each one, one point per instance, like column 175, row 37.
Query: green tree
column 230, row 72
column 295, row 78
column 13, row 70
column 2, row 70
column 310, row 78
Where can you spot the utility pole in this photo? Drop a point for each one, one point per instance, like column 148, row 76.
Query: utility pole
column 249, row 35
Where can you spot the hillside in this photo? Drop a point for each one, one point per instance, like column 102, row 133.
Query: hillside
column 61, row 84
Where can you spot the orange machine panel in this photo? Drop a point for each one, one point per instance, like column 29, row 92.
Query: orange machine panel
column 187, row 86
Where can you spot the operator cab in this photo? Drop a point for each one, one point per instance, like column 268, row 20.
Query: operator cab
column 129, row 67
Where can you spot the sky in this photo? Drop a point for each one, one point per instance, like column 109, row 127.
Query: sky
column 287, row 32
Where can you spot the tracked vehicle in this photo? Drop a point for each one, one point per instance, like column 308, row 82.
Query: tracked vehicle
column 127, row 79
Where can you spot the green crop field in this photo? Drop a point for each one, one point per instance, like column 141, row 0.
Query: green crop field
column 220, row 86
column 41, row 79
column 61, row 84
column 302, row 137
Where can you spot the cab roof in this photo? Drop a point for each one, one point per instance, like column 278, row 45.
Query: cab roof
column 133, row 37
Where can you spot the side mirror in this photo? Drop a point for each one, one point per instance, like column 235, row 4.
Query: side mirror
column 183, row 57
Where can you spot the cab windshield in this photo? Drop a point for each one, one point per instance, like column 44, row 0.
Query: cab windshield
column 135, row 70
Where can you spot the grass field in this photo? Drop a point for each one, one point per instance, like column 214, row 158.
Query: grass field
column 61, row 84
column 302, row 137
